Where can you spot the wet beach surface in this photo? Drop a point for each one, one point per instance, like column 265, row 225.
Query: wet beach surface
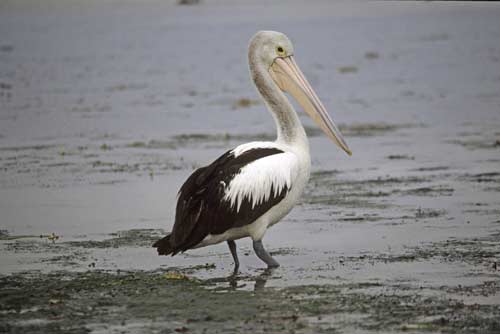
column 107, row 107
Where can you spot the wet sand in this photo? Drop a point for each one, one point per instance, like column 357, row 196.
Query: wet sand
column 106, row 108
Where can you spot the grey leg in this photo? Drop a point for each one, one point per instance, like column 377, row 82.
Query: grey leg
column 232, row 248
column 263, row 255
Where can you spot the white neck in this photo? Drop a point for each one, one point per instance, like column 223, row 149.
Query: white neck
column 289, row 127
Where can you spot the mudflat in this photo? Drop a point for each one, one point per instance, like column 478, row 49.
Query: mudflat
column 107, row 107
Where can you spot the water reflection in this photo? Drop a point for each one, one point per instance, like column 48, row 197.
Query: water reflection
column 241, row 282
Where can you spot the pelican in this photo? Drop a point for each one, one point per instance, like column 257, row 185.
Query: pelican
column 253, row 186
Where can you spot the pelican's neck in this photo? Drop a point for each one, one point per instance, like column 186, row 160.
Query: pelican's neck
column 289, row 127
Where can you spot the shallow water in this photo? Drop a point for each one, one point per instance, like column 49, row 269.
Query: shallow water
column 106, row 108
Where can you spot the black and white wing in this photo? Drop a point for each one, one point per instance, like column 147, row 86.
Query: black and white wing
column 233, row 191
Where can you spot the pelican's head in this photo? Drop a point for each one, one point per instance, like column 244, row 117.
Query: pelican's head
column 275, row 51
column 269, row 45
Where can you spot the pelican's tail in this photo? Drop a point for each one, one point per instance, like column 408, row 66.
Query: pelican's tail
column 163, row 246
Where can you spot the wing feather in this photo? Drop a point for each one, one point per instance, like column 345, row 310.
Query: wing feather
column 233, row 191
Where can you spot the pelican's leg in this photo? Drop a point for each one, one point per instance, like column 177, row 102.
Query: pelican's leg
column 232, row 248
column 263, row 255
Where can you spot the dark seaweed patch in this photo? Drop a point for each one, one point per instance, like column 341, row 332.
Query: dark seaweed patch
column 363, row 129
column 484, row 143
column 400, row 157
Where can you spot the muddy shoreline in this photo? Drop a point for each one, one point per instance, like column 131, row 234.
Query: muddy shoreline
column 97, row 301
column 107, row 107
column 202, row 298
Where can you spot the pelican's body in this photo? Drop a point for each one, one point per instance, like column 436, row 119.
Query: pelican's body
column 288, row 167
column 252, row 187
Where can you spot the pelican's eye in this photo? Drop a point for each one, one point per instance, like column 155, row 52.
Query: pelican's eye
column 280, row 51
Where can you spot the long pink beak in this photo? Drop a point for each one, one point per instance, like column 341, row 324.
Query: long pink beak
column 289, row 78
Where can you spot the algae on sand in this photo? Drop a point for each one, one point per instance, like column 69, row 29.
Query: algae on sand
column 59, row 302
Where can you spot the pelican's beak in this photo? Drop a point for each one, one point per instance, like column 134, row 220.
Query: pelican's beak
column 289, row 78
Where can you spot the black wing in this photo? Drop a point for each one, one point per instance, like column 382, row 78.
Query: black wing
column 201, row 209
